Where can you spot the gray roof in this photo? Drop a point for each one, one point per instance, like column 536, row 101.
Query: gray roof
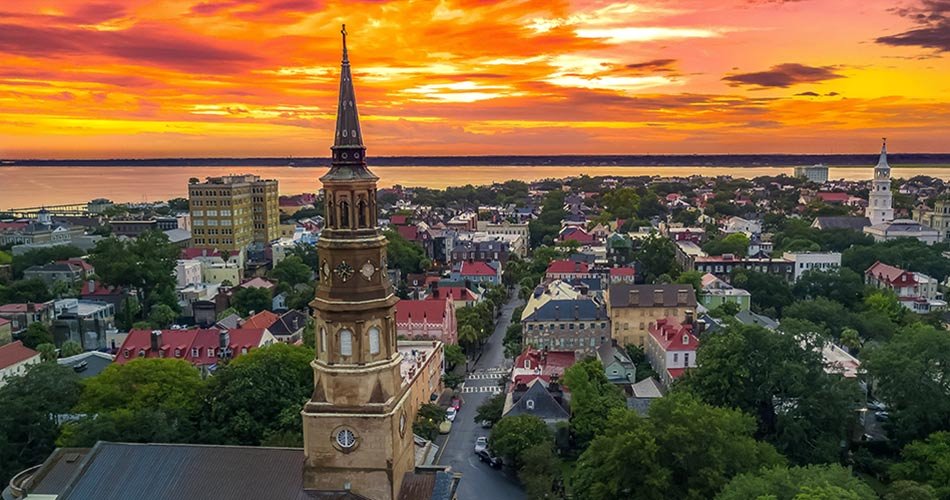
column 646, row 296
column 842, row 222
column 178, row 235
column 54, row 267
column 159, row 471
column 580, row 309
column 750, row 318
column 545, row 406
column 288, row 323
column 95, row 362
column 230, row 322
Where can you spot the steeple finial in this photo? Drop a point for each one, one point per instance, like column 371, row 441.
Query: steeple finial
column 883, row 144
column 346, row 59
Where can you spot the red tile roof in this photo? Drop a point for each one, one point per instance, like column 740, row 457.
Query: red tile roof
column 622, row 271
column 185, row 342
column 257, row 283
column 21, row 307
column 893, row 275
column 397, row 220
column 12, row 226
column 550, row 362
column 85, row 266
column 432, row 310
column 675, row 373
column 567, row 267
column 410, row 233
column 98, row 288
column 261, row 320
column 15, row 352
column 477, row 268
column 829, row 197
column 673, row 336
column 4, row 321
column 578, row 235
column 452, row 292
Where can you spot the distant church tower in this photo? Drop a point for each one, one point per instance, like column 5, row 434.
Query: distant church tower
column 357, row 432
column 879, row 200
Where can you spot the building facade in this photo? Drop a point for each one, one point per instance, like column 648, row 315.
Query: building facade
column 812, row 261
column 231, row 212
column 671, row 348
column 880, row 199
column 16, row 359
column 580, row 324
column 937, row 219
column 814, row 173
column 915, row 291
column 427, row 320
column 632, row 308
column 722, row 266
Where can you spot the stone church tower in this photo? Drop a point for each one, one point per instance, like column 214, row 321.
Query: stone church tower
column 880, row 208
column 356, row 426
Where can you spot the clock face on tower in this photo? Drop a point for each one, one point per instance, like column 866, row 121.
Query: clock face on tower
column 344, row 271
column 368, row 270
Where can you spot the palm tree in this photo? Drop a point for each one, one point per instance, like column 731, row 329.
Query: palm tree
column 468, row 337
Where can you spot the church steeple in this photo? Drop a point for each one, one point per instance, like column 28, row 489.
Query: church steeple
column 882, row 161
column 348, row 148
column 880, row 201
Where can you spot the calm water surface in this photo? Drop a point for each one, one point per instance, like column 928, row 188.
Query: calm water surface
column 33, row 186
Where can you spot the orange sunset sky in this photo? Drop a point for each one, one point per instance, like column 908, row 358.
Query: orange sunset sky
column 141, row 78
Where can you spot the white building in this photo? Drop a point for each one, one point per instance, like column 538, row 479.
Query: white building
column 902, row 228
column 815, row 173
column 807, row 261
column 880, row 209
column 517, row 235
column 188, row 272
column 15, row 359
column 740, row 225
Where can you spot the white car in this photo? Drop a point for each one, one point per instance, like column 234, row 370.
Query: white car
column 481, row 444
column 450, row 414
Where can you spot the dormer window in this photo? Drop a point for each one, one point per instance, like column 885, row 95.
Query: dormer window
column 125, row 353
column 195, row 352
column 529, row 404
column 685, row 339
column 177, row 352
column 527, row 364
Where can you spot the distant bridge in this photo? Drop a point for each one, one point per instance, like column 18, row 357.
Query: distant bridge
column 71, row 210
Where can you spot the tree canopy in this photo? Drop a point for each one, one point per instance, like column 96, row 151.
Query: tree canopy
column 248, row 299
column 513, row 435
column 789, row 483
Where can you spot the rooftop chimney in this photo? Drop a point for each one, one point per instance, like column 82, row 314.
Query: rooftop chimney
column 689, row 318
column 156, row 340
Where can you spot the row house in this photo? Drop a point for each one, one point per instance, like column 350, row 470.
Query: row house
column 568, row 270
column 671, row 348
column 23, row 315
column 427, row 320
column 915, row 291
column 482, row 251
column 580, row 324
column 204, row 348
column 723, row 265
column 632, row 308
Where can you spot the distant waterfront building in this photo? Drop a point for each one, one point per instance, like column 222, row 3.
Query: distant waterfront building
column 937, row 219
column 231, row 212
column 814, row 173
column 880, row 200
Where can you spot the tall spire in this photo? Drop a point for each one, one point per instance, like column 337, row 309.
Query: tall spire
column 882, row 161
column 348, row 141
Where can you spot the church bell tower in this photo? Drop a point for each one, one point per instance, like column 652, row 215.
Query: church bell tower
column 357, row 433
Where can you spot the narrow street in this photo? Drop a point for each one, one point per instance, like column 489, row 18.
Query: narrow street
column 478, row 479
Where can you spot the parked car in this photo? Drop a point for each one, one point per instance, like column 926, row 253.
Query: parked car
column 456, row 403
column 450, row 414
column 876, row 406
column 487, row 457
column 882, row 416
column 445, row 427
column 481, row 443
column 486, row 424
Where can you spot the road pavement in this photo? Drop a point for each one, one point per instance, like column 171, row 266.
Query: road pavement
column 479, row 481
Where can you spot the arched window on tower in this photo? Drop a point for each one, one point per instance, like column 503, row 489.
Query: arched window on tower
column 344, row 214
column 323, row 340
column 331, row 213
column 361, row 214
column 374, row 340
column 346, row 343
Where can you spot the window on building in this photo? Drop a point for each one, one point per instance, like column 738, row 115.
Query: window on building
column 211, row 352
column 529, row 404
column 323, row 340
column 374, row 340
column 346, row 343
column 676, row 357
column 195, row 352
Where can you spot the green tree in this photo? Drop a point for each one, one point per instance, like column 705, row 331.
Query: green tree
column 454, row 356
column 490, row 410
column 841, row 285
column 70, row 348
column 37, row 333
column 144, row 400
column 705, row 446
column 694, row 278
column 734, row 243
column 42, row 256
column 770, row 293
column 910, row 490
column 246, row 300
column 885, row 302
column 592, row 398
column 656, row 255
column 291, row 271
column 545, row 228
column 468, row 336
column 258, row 396
column 622, row 462
column 404, row 254
column 161, row 316
column 911, row 371
column 788, row 483
column 926, row 462
column 541, row 471
column 308, row 255
column 47, row 352
column 146, row 263
column 32, row 290
column 512, row 436
column 621, row 203
column 30, row 402
column 427, row 421
column 801, row 409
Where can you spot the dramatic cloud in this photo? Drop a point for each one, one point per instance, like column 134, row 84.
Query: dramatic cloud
column 784, row 75
column 933, row 18
column 107, row 78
